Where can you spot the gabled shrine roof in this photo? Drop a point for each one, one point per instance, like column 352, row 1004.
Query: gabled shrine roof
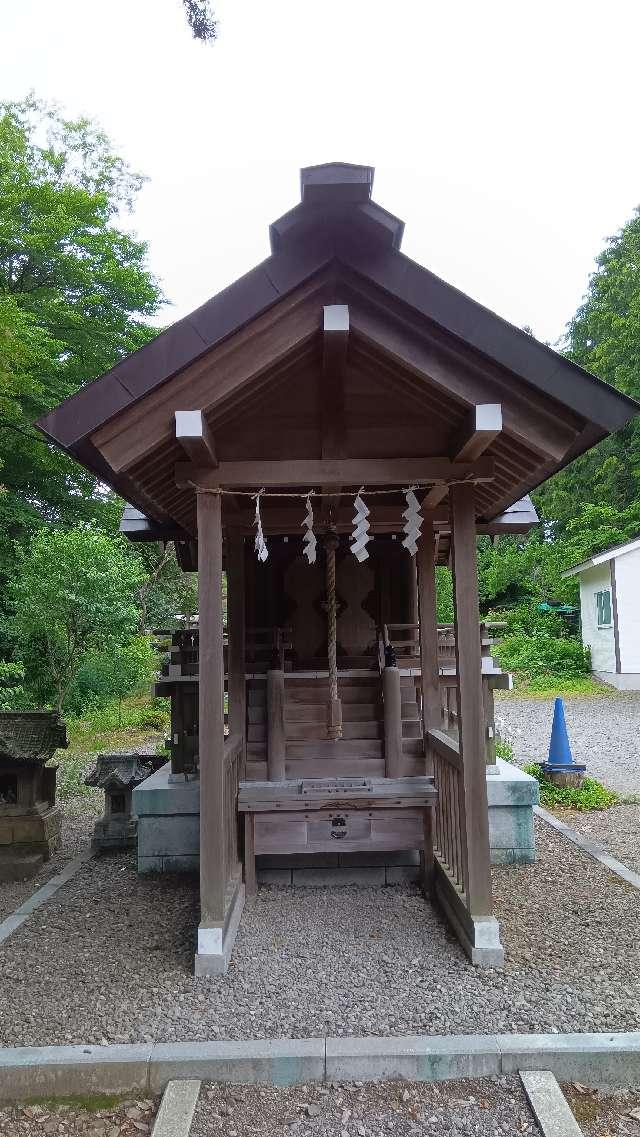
column 338, row 227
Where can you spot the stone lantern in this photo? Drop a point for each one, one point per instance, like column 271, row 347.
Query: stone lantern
column 118, row 775
column 30, row 822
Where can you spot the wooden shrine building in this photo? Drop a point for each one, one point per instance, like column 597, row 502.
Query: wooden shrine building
column 278, row 433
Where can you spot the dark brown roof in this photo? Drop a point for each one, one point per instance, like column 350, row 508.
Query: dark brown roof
column 337, row 223
column 31, row 736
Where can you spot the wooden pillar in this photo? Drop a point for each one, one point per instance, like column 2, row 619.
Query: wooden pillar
column 237, row 686
column 211, row 733
column 431, row 701
column 470, row 704
column 276, row 743
column 392, row 697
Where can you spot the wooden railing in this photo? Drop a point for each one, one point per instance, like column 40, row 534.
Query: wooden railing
column 233, row 756
column 449, row 830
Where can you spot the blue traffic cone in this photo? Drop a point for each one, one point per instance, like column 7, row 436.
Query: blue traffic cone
column 560, row 758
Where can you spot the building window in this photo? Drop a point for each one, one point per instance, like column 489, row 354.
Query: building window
column 603, row 608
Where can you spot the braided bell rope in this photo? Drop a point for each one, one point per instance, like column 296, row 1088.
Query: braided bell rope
column 334, row 731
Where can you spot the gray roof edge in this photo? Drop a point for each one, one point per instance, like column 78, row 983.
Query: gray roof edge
column 603, row 557
column 511, row 347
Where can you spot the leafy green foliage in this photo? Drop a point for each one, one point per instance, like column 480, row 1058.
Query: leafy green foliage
column 114, row 674
column 604, row 337
column 504, row 750
column 73, row 596
column 444, row 594
column 75, row 297
column 543, row 655
column 590, row 795
column 11, row 689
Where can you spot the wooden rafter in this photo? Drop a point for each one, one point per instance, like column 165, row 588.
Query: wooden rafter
column 195, row 438
column 481, row 427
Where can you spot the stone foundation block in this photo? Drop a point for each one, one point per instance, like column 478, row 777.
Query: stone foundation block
column 512, row 795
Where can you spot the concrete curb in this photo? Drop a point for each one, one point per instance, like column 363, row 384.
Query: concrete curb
column 550, row 1107
column 592, row 848
column 177, row 1108
column 41, row 895
column 59, row 1071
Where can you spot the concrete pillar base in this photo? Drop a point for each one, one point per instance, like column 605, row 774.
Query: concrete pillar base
column 215, row 944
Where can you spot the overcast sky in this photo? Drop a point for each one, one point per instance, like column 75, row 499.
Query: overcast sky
column 505, row 134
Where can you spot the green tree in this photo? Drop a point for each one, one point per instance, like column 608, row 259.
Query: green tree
column 75, row 297
column 11, row 676
column 114, row 674
column 73, row 596
column 604, row 337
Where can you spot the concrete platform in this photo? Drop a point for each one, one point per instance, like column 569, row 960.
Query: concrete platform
column 168, row 813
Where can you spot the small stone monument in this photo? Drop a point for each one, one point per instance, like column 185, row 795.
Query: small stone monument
column 118, row 775
column 30, row 822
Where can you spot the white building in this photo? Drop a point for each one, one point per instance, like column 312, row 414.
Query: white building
column 610, row 613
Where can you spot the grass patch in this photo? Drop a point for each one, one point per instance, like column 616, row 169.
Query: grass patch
column 551, row 686
column 504, row 750
column 591, row 795
column 137, row 723
column 91, row 1103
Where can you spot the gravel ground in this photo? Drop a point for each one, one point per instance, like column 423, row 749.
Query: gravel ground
column 77, row 831
column 109, row 959
column 611, row 1114
column 46, row 1119
column 618, row 829
column 491, row 1107
column 604, row 732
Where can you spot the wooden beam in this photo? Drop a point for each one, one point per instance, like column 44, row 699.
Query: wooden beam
column 331, row 390
column 470, row 702
column 481, row 426
column 211, row 720
column 195, row 437
column 333, row 471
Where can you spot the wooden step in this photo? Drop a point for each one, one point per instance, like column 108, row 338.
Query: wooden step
column 256, row 751
column 317, row 712
column 411, row 728
column 334, row 768
column 342, row 768
column 341, row 748
column 293, row 680
column 409, row 711
column 413, row 746
column 318, row 729
column 312, row 693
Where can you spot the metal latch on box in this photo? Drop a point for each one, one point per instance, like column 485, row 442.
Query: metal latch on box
column 334, row 785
